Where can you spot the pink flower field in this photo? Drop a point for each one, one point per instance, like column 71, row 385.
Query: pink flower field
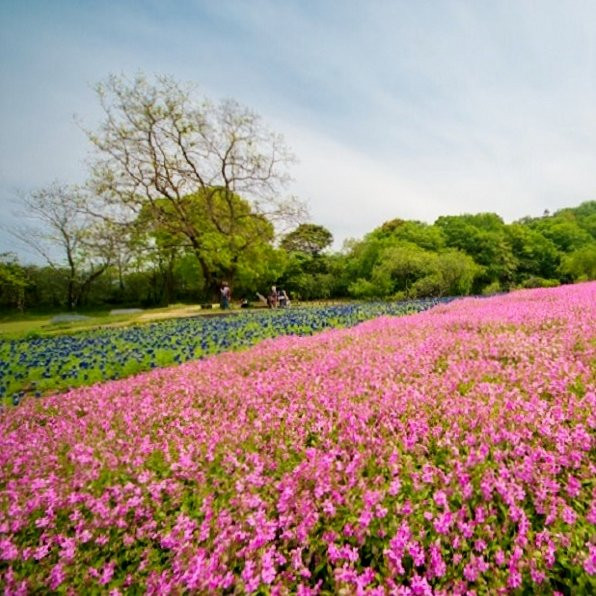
column 448, row 452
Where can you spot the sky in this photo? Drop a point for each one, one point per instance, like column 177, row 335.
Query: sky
column 393, row 108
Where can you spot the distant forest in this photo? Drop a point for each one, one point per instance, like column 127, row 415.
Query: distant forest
column 456, row 255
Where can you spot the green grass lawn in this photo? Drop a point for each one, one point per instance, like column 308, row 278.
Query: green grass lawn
column 15, row 326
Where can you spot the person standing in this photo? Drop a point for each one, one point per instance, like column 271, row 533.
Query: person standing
column 225, row 295
column 272, row 298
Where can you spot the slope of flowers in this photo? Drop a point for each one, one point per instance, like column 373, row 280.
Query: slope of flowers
column 450, row 451
column 38, row 364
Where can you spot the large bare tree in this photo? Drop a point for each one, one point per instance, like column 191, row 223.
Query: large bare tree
column 159, row 144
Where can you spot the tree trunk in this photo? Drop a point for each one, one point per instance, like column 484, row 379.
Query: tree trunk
column 71, row 299
column 169, row 282
column 211, row 282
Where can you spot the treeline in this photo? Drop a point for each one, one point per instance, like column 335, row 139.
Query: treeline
column 457, row 255
column 465, row 254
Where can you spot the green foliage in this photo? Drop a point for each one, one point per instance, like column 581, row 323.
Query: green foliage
column 483, row 237
column 13, row 281
column 457, row 255
column 569, row 229
column 580, row 265
column 308, row 238
column 536, row 254
column 492, row 288
column 220, row 231
column 310, row 277
column 565, row 233
column 400, row 266
column 362, row 288
column 363, row 256
column 540, row 282
column 406, row 268
column 415, row 232
column 456, row 272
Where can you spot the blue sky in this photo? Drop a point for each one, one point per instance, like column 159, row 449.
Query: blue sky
column 393, row 108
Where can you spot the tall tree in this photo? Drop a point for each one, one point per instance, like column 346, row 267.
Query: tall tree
column 159, row 144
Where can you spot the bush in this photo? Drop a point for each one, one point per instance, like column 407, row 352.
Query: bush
column 492, row 288
column 539, row 282
column 427, row 286
column 362, row 288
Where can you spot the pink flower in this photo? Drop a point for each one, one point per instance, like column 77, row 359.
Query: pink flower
column 268, row 571
column 229, row 462
column 250, row 578
column 394, row 487
column 417, row 554
column 57, row 576
column 420, row 586
column 591, row 516
column 440, row 498
column 537, row 576
column 107, row 573
column 573, row 486
column 470, row 571
column 590, row 562
column 41, row 551
column 8, row 551
column 569, row 516
column 427, row 474
column 514, row 580
column 443, row 522
column 437, row 565
column 479, row 545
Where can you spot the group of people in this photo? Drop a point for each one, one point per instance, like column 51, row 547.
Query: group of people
column 277, row 298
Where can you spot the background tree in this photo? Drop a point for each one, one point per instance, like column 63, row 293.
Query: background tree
column 13, row 282
column 407, row 270
column 159, row 144
column 580, row 265
column 482, row 236
column 308, row 238
column 569, row 229
column 400, row 267
column 67, row 237
column 429, row 237
column 536, row 255
column 308, row 273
